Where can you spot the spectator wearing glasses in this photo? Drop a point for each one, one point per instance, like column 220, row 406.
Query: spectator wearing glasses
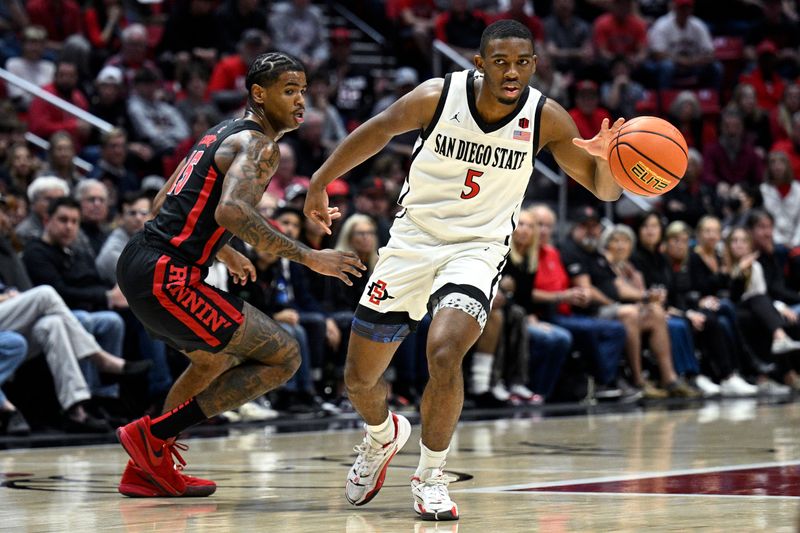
column 41, row 192
column 93, row 197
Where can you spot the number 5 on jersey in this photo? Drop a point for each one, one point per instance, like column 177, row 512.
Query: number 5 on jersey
column 191, row 161
column 474, row 188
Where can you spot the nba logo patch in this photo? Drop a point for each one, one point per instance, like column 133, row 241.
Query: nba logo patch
column 524, row 123
column 522, row 135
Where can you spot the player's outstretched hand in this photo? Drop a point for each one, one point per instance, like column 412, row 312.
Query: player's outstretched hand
column 335, row 263
column 598, row 145
column 240, row 267
column 316, row 208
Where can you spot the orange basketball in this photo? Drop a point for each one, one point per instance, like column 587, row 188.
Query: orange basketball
column 648, row 156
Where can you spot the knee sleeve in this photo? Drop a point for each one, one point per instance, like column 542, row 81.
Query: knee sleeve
column 380, row 332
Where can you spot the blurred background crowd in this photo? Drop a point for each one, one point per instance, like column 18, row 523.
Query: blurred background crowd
column 693, row 294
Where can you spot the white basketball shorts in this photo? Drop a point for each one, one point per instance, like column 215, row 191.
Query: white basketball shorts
column 416, row 272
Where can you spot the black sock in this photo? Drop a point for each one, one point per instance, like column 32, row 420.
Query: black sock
column 182, row 417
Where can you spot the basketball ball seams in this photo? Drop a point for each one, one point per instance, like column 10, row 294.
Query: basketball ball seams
column 654, row 163
column 660, row 135
column 625, row 170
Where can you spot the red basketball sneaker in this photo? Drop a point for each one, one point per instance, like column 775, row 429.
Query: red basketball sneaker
column 153, row 456
column 136, row 484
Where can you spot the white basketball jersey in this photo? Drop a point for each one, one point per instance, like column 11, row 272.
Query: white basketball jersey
column 467, row 177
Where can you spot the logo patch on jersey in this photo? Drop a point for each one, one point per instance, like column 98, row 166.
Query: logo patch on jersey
column 455, row 117
column 522, row 135
column 378, row 293
column 524, row 123
column 208, row 140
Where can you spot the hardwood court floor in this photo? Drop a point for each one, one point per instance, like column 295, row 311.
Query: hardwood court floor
column 730, row 466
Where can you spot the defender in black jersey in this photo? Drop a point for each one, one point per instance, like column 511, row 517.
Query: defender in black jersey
column 237, row 353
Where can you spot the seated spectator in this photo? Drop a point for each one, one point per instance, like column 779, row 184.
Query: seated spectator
column 21, row 170
column 549, row 344
column 45, row 119
column 104, row 21
column 721, row 354
column 764, row 78
column 732, row 159
column 58, row 260
column 40, row 193
column 551, row 82
column 781, row 195
column 30, row 66
column 112, row 168
column 93, row 198
column 226, row 85
column 764, row 321
column 761, row 225
column 555, row 300
column 685, row 114
column 791, row 146
column 319, row 98
column 461, row 27
column 108, row 101
column 776, row 25
column 587, row 113
column 61, row 159
column 61, row 19
column 780, row 118
column 568, row 39
column 372, row 199
column 681, row 48
column 42, row 317
column 132, row 56
column 621, row 94
column 353, row 84
column 155, row 122
column 756, row 120
column 286, row 173
column 691, row 198
column 194, row 96
column 620, row 32
column 13, row 348
column 308, row 142
column 737, row 203
column 299, row 31
column 234, row 17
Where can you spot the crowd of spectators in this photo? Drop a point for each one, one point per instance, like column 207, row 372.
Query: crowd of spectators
column 697, row 295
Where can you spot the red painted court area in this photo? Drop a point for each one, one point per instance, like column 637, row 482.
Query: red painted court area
column 769, row 481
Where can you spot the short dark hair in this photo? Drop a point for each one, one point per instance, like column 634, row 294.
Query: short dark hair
column 504, row 29
column 756, row 216
column 279, row 212
column 64, row 201
column 131, row 197
column 266, row 68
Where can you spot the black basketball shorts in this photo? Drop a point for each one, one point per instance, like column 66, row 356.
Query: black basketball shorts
column 173, row 302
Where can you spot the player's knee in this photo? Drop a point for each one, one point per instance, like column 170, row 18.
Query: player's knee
column 291, row 357
column 443, row 361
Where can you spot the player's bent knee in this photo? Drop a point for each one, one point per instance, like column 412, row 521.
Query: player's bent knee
column 443, row 361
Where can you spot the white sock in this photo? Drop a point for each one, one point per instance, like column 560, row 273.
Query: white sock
column 429, row 459
column 481, row 372
column 382, row 433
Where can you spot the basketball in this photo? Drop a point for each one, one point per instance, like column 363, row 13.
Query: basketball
column 648, row 156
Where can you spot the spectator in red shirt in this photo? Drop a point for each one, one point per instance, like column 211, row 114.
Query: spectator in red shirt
column 104, row 21
column 587, row 113
column 516, row 11
column 764, row 78
column 621, row 32
column 226, row 85
column 461, row 27
column 45, row 119
column 732, row 159
column 61, row 19
column 791, row 146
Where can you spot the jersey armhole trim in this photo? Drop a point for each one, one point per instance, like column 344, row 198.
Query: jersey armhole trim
column 439, row 108
column 537, row 122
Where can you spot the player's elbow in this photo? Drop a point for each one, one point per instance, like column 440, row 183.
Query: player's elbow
column 224, row 214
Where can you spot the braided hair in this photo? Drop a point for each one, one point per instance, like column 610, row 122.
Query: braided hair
column 266, row 68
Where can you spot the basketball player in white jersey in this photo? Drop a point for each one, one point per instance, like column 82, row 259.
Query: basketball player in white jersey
column 479, row 133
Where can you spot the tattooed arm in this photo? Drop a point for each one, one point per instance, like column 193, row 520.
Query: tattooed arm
column 244, row 184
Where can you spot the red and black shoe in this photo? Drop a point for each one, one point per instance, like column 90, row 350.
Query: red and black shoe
column 136, row 484
column 153, row 456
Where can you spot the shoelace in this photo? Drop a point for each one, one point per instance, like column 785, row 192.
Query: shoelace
column 366, row 455
column 436, row 486
column 171, row 447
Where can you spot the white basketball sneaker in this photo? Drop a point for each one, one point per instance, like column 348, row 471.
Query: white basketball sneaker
column 366, row 477
column 431, row 499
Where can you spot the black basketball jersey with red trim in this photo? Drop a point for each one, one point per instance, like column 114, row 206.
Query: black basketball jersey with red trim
column 185, row 226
